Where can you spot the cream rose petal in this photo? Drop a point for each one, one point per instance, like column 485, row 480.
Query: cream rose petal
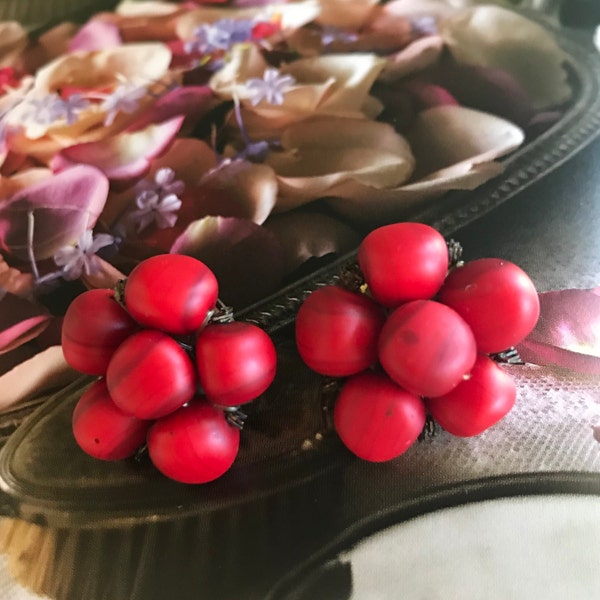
column 346, row 14
column 417, row 56
column 492, row 36
column 336, row 85
column 292, row 15
column 454, row 148
column 13, row 40
column 322, row 153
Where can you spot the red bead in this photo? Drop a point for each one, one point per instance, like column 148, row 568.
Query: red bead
column 426, row 347
column 171, row 292
column 102, row 429
column 402, row 262
column 150, row 375
column 194, row 444
column 478, row 402
column 337, row 331
column 496, row 298
column 376, row 419
column 94, row 326
column 236, row 362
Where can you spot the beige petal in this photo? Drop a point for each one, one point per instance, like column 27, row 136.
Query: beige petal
column 419, row 55
column 446, row 135
column 44, row 372
column 304, row 235
column 250, row 190
column 454, row 147
column 291, row 14
column 337, row 85
column 322, row 153
column 492, row 36
column 133, row 8
column 438, row 9
column 13, row 40
column 143, row 63
column 346, row 14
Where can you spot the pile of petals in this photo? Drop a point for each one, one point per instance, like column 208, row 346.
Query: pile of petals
column 252, row 136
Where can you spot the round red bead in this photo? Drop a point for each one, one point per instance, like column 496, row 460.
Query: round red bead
column 403, row 262
column 171, row 292
column 496, row 298
column 150, row 375
column 102, row 429
column 426, row 347
column 337, row 331
column 236, row 362
column 376, row 419
column 478, row 402
column 194, row 444
column 94, row 326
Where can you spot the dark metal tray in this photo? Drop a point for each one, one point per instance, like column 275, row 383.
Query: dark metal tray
column 287, row 444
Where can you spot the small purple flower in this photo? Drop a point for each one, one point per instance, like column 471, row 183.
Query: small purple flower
column 423, row 25
column 157, row 201
column 271, row 88
column 81, row 258
column 220, row 35
column 125, row 98
column 51, row 108
column 72, row 106
column 331, row 34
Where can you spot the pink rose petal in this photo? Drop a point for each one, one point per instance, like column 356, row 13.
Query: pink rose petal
column 63, row 207
column 194, row 102
column 96, row 35
column 126, row 156
column 567, row 333
column 20, row 321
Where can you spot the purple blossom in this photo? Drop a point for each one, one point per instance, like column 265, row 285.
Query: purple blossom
column 271, row 88
column 157, row 201
column 331, row 34
column 125, row 98
column 81, row 258
column 72, row 106
column 423, row 25
column 51, row 108
column 220, row 35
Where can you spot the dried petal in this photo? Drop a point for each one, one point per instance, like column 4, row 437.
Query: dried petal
column 567, row 333
column 64, row 206
column 491, row 36
column 20, row 321
column 246, row 257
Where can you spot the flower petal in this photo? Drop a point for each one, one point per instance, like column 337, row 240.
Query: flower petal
column 125, row 157
column 291, row 14
column 96, row 35
column 20, row 321
column 14, row 281
column 446, row 135
column 454, row 148
column 194, row 102
column 13, row 39
column 419, row 55
column 323, row 153
column 346, row 14
column 44, row 372
column 245, row 257
column 492, row 36
column 304, row 235
column 64, row 206
column 567, row 333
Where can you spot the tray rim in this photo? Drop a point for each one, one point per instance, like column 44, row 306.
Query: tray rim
column 518, row 485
